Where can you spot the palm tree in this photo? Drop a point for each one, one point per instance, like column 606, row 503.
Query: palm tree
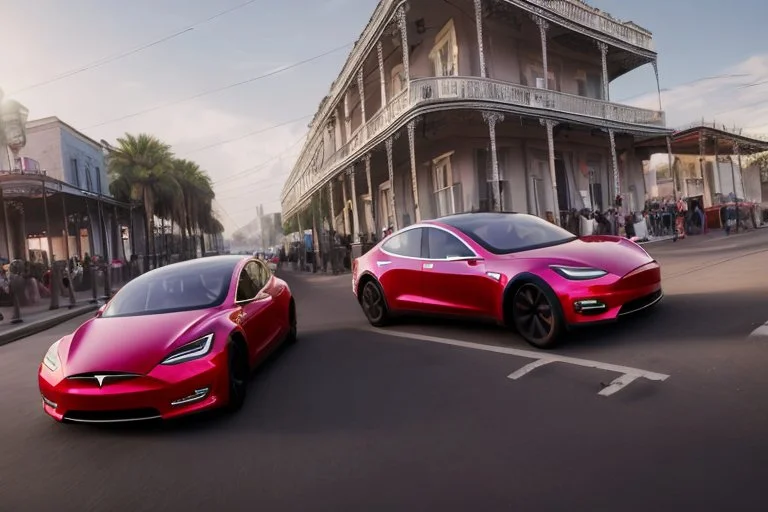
column 140, row 170
column 197, row 198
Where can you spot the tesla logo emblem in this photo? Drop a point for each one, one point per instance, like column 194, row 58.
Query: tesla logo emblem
column 100, row 379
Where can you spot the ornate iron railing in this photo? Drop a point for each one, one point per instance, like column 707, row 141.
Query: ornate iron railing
column 424, row 91
column 592, row 18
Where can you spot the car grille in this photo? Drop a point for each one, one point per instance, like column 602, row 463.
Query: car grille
column 640, row 304
column 118, row 416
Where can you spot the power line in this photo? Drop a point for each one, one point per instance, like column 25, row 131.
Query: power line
column 128, row 53
column 250, row 134
column 261, row 165
column 223, row 88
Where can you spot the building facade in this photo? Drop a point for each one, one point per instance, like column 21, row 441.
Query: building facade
column 67, row 154
column 477, row 105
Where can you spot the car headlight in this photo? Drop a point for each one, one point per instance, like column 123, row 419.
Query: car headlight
column 190, row 351
column 51, row 359
column 578, row 273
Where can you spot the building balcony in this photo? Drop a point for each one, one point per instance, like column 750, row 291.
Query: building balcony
column 582, row 14
column 437, row 93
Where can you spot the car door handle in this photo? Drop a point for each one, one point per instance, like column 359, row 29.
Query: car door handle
column 427, row 266
column 383, row 263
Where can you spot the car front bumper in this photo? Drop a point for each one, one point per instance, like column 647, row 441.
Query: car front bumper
column 166, row 392
column 606, row 300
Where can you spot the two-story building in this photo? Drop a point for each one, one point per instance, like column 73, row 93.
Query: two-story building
column 447, row 107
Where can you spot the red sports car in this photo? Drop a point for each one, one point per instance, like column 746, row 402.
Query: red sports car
column 513, row 268
column 177, row 340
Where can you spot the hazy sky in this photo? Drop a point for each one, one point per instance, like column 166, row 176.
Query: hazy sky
column 43, row 39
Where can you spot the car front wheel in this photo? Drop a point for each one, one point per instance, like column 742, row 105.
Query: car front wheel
column 536, row 317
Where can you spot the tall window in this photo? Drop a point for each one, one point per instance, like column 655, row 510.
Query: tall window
column 535, row 77
column 445, row 53
column 75, row 171
column 442, row 185
column 590, row 85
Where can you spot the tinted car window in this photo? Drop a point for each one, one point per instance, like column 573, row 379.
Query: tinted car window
column 444, row 245
column 254, row 270
column 405, row 243
column 247, row 288
column 179, row 287
column 503, row 233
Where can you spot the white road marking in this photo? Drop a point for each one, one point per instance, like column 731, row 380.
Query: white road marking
column 629, row 374
column 618, row 384
column 760, row 332
column 528, row 368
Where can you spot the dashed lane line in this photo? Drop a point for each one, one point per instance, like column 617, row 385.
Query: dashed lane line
column 628, row 374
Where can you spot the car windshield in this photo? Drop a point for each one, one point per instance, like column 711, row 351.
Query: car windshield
column 185, row 286
column 505, row 233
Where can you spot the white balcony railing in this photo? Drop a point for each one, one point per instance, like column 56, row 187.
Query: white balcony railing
column 590, row 17
column 425, row 91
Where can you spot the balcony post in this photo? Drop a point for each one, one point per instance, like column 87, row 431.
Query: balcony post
column 717, row 171
column 550, row 125
column 347, row 118
column 331, row 206
column 367, row 158
column 345, row 199
column 391, row 168
column 414, row 182
column 361, row 90
column 543, row 27
column 332, row 133
column 671, row 167
column 402, row 25
column 658, row 84
column 382, row 78
column 479, row 24
column 355, row 218
column 491, row 118
column 614, row 165
column 603, row 47
column 737, row 150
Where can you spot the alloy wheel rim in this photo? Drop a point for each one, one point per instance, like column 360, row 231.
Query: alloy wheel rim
column 533, row 313
column 236, row 375
column 372, row 302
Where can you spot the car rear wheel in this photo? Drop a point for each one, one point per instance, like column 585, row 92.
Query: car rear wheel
column 536, row 316
column 373, row 304
column 239, row 372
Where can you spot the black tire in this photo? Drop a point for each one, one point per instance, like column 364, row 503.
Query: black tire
column 536, row 316
column 374, row 304
column 293, row 332
column 239, row 373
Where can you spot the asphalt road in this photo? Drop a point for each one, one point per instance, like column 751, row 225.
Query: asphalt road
column 350, row 419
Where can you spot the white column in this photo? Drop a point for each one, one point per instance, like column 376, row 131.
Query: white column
column 402, row 25
column 614, row 166
column 479, row 25
column 355, row 218
column 491, row 118
column 658, row 84
column 391, row 168
column 361, row 90
column 543, row 27
column 414, row 183
column 347, row 118
column 604, row 59
column 345, row 199
column 550, row 125
column 382, row 77
column 672, row 167
column 367, row 158
column 332, row 220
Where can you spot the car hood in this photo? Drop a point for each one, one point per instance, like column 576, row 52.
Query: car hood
column 613, row 254
column 134, row 344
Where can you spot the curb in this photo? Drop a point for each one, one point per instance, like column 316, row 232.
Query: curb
column 760, row 332
column 24, row 330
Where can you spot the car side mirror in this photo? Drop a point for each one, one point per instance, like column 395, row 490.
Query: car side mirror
column 100, row 311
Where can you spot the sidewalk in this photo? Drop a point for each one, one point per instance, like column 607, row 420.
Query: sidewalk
column 40, row 317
